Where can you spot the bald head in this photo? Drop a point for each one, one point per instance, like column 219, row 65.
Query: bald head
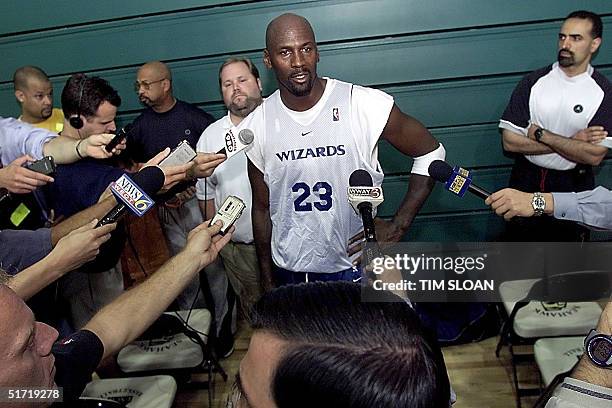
column 34, row 92
column 154, row 86
column 28, row 73
column 157, row 68
column 284, row 23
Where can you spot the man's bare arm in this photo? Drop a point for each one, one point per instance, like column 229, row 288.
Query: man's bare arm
column 262, row 225
column 80, row 246
column 68, row 150
column 81, row 218
column 411, row 138
column 517, row 143
column 587, row 371
column 575, row 148
column 510, row 203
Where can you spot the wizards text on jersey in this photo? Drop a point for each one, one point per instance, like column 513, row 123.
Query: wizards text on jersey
column 314, row 152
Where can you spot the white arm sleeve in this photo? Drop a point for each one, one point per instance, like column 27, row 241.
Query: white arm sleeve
column 421, row 163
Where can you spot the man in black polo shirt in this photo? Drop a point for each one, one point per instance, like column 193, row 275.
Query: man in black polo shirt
column 30, row 355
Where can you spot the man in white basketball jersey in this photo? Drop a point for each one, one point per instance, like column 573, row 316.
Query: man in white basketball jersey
column 310, row 135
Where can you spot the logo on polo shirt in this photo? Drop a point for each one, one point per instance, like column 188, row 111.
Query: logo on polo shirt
column 578, row 108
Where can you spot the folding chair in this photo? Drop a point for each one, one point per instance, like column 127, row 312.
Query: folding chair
column 134, row 392
column 180, row 352
column 557, row 355
column 558, row 305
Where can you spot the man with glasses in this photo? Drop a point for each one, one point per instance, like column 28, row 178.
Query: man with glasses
column 166, row 122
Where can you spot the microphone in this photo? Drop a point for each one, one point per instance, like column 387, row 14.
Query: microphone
column 235, row 144
column 364, row 199
column 119, row 136
column 134, row 196
column 456, row 180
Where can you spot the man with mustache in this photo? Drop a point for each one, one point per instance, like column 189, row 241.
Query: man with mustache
column 555, row 120
column 310, row 136
column 166, row 122
column 34, row 92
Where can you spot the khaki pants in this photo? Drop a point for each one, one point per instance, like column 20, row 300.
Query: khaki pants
column 240, row 262
column 87, row 293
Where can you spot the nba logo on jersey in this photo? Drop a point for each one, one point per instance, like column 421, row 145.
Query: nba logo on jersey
column 335, row 114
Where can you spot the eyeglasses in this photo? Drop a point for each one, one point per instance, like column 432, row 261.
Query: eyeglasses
column 145, row 84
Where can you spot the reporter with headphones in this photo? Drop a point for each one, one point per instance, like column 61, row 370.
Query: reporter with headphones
column 89, row 105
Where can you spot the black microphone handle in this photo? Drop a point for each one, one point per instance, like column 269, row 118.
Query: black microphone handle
column 480, row 192
column 371, row 249
column 365, row 209
column 113, row 215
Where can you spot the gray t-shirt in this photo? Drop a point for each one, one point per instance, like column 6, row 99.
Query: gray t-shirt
column 20, row 249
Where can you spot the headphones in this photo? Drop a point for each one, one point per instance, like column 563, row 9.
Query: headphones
column 75, row 120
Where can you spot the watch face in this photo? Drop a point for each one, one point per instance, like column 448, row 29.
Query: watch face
column 538, row 133
column 600, row 350
column 539, row 202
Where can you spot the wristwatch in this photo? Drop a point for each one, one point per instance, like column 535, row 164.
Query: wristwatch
column 538, row 203
column 539, row 132
column 598, row 347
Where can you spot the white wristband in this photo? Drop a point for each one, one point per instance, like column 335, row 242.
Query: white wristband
column 421, row 163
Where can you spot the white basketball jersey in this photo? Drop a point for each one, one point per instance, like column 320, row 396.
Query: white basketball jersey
column 307, row 168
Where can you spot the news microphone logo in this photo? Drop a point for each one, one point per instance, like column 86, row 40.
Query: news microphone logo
column 235, row 144
column 459, row 181
column 373, row 194
column 230, row 141
column 129, row 193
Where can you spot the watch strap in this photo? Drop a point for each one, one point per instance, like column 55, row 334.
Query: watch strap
column 538, row 203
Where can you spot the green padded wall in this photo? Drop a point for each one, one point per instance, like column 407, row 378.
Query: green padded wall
column 450, row 63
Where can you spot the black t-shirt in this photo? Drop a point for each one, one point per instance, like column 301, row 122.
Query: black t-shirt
column 152, row 132
column 76, row 358
column 78, row 186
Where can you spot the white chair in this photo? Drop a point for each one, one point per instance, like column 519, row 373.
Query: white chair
column 557, row 355
column 182, row 351
column 176, row 351
column 553, row 306
column 134, row 392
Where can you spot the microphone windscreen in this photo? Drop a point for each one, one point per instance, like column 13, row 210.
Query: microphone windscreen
column 246, row 136
column 360, row 178
column 150, row 179
column 440, row 170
